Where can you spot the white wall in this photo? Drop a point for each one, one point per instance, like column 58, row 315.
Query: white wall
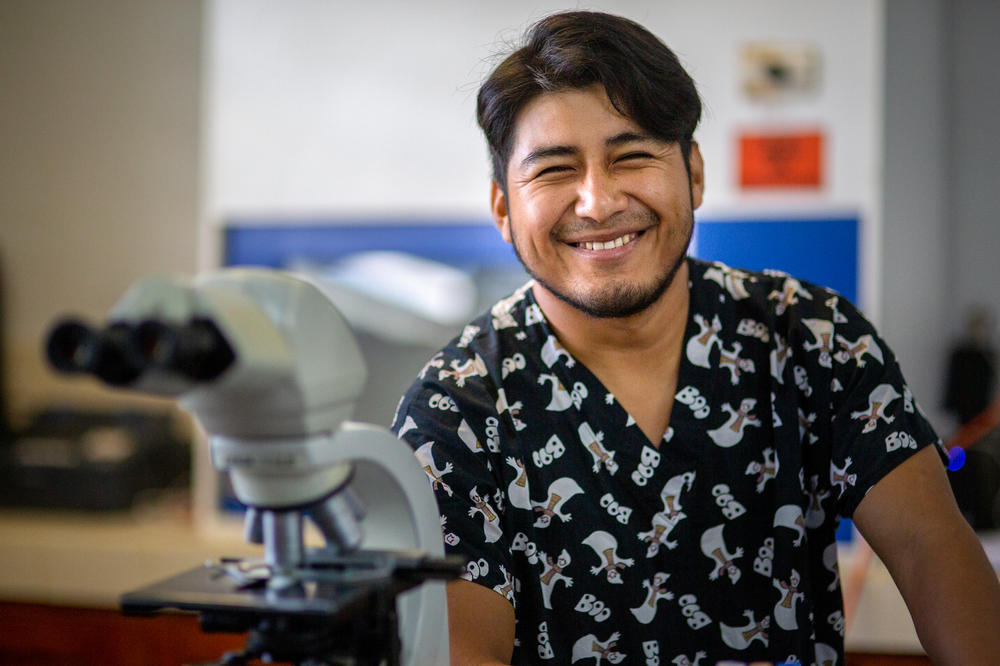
column 916, row 251
column 942, row 171
column 317, row 108
column 973, row 215
column 99, row 163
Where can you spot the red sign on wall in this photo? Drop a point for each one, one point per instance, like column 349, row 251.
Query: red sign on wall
column 781, row 160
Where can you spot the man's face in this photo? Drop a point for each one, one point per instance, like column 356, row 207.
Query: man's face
column 599, row 212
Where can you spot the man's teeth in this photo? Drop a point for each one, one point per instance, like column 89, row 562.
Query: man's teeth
column 609, row 245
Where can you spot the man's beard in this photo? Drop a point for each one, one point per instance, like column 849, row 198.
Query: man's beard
column 617, row 299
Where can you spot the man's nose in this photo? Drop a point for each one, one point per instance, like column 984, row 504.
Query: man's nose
column 599, row 196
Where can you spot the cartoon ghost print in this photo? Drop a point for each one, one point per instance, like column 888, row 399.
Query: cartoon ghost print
column 731, row 433
column 605, row 546
column 655, row 590
column 663, row 522
column 491, row 521
column 590, row 647
column 560, row 491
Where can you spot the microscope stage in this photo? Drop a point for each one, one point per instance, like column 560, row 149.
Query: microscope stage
column 327, row 586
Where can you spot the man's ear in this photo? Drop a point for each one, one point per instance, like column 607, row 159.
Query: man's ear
column 696, row 169
column 498, row 207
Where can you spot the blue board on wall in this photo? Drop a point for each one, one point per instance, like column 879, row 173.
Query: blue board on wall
column 822, row 251
column 464, row 244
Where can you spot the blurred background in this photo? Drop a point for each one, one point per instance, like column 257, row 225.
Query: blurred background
column 852, row 143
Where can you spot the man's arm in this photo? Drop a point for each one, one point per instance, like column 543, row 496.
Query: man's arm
column 480, row 625
column 913, row 524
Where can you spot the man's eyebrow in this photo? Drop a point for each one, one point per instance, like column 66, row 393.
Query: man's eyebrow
column 562, row 151
column 628, row 137
column 546, row 151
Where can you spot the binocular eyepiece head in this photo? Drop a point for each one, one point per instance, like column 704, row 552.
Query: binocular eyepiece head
column 120, row 353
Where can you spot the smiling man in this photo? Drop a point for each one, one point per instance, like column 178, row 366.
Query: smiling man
column 644, row 456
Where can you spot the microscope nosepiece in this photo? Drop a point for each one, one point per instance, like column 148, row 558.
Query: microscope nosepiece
column 339, row 519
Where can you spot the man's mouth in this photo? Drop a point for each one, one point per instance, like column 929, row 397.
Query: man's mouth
column 607, row 245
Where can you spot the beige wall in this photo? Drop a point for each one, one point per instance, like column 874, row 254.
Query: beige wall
column 99, row 123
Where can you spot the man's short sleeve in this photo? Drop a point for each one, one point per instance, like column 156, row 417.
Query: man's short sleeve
column 876, row 422
column 450, row 432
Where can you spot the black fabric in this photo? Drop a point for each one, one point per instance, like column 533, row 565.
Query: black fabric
column 718, row 540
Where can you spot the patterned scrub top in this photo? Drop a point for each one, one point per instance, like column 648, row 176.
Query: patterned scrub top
column 717, row 542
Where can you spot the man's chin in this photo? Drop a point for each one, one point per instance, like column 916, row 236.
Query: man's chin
column 615, row 301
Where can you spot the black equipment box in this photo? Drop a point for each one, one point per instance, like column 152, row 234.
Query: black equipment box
column 94, row 461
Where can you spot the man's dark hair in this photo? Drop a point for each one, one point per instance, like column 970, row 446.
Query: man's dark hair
column 643, row 79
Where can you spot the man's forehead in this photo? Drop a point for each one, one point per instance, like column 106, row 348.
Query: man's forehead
column 571, row 117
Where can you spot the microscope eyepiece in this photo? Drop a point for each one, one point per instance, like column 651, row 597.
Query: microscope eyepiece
column 70, row 346
column 109, row 353
column 196, row 350
column 120, row 353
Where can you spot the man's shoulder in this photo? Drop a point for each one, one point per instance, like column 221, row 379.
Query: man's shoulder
column 771, row 293
column 505, row 321
column 466, row 374
column 486, row 341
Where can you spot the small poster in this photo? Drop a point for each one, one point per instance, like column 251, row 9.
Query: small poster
column 793, row 159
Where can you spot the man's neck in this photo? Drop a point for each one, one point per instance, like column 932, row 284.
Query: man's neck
column 598, row 342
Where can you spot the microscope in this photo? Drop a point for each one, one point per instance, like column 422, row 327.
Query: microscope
column 270, row 369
